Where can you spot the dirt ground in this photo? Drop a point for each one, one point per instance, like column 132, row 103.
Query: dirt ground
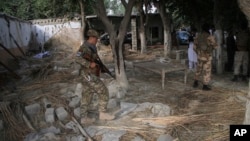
column 196, row 115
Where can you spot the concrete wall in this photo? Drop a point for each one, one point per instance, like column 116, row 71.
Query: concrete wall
column 17, row 36
column 45, row 29
column 14, row 33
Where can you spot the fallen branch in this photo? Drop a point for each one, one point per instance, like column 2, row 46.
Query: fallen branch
column 170, row 119
column 135, row 129
column 27, row 122
column 82, row 130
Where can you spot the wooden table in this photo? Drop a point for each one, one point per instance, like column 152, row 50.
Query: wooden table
column 162, row 68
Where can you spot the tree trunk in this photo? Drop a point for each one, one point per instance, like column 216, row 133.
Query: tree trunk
column 116, row 41
column 219, row 62
column 219, row 36
column 142, row 29
column 134, row 34
column 167, row 26
column 82, row 19
column 245, row 8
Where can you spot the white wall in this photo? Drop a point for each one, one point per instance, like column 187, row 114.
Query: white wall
column 44, row 32
column 28, row 34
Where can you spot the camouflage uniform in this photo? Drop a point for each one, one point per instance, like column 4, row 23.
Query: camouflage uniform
column 204, row 45
column 91, row 82
column 241, row 55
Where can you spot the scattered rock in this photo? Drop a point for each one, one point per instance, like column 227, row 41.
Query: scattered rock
column 77, row 112
column 113, row 135
column 50, row 115
column 78, row 90
column 33, row 109
column 75, row 101
column 61, row 113
column 165, row 138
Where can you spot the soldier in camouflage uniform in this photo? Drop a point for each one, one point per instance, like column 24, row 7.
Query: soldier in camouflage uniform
column 241, row 54
column 90, row 72
column 204, row 45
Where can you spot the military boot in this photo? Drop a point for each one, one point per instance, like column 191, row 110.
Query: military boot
column 235, row 78
column 195, row 85
column 206, row 88
column 106, row 116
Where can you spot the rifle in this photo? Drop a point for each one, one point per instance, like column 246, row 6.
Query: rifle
column 100, row 66
column 103, row 67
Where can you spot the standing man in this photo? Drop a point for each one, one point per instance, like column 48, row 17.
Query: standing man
column 86, row 56
column 204, row 45
column 241, row 54
column 192, row 56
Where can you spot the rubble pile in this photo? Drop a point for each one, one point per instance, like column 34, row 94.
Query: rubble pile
column 44, row 104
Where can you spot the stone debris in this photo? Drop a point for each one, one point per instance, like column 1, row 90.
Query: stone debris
column 126, row 108
column 50, row 115
column 47, row 103
column 158, row 109
column 32, row 109
column 75, row 138
column 78, row 90
column 47, row 134
column 113, row 135
column 165, row 138
column 51, row 105
column 77, row 113
column 72, row 126
column 75, row 101
column 138, row 138
column 61, row 113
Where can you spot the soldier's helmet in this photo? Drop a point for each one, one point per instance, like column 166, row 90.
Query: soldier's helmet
column 92, row 33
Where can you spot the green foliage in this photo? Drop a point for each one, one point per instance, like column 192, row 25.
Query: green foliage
column 41, row 9
column 196, row 12
column 115, row 6
column 191, row 12
column 8, row 6
column 187, row 12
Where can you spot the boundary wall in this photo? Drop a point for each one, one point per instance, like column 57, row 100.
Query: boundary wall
column 18, row 36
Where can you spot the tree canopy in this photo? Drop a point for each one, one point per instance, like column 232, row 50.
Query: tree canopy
column 42, row 9
column 187, row 12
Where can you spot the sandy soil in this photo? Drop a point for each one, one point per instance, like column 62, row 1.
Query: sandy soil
column 196, row 115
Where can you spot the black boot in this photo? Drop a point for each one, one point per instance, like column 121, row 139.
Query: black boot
column 206, row 88
column 195, row 85
column 235, row 78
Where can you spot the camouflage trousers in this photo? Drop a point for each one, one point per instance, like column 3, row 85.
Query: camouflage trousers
column 241, row 58
column 204, row 68
column 93, row 85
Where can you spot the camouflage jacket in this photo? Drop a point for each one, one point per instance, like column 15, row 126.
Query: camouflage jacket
column 204, row 45
column 86, row 54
